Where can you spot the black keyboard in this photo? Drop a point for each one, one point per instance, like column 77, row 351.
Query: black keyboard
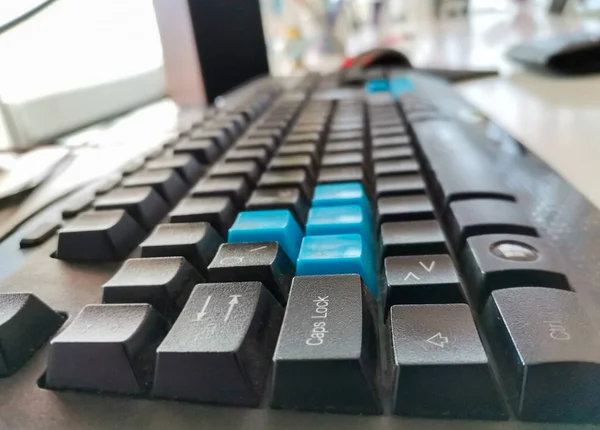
column 308, row 255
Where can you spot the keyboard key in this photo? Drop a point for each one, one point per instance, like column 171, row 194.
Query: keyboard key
column 142, row 203
column 548, row 353
column 167, row 183
column 265, row 262
column 309, row 128
column 344, row 146
column 288, row 162
column 325, row 220
column 343, row 159
column 486, row 216
column 257, row 143
column 345, row 135
column 164, row 282
column 326, row 358
column 499, row 261
column 303, row 138
column 333, row 175
column 412, row 238
column 260, row 155
column 235, row 187
column 382, row 142
column 350, row 193
column 220, row 137
column 38, row 235
column 347, row 127
column 186, row 165
column 99, row 236
column 219, row 349
column 108, row 185
column 337, row 254
column 133, row 166
column 280, row 198
column 393, row 153
column 204, row 151
column 219, row 212
column 121, row 337
column 248, row 169
column 379, row 131
column 426, row 279
column 396, row 167
column 271, row 225
column 399, row 185
column 299, row 148
column 297, row 178
column 273, row 133
column 440, row 367
column 198, row 242
column 26, row 324
column 404, row 208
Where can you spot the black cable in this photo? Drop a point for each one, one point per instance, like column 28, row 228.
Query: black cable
column 25, row 16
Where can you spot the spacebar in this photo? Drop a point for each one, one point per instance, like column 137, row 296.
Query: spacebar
column 457, row 167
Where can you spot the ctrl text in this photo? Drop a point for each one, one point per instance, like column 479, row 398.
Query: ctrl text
column 319, row 327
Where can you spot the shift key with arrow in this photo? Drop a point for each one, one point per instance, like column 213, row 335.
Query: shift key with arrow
column 219, row 349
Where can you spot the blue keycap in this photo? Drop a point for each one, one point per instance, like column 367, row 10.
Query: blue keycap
column 377, row 86
column 345, row 193
column 264, row 226
column 346, row 219
column 337, row 254
column 401, row 85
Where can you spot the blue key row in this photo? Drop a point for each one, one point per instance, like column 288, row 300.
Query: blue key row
column 339, row 236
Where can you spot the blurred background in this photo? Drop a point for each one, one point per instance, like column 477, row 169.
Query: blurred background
column 77, row 62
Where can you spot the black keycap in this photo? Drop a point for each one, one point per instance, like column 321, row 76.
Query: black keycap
column 297, row 178
column 260, row 155
column 263, row 143
column 396, row 167
column 404, row 208
column 393, row 153
column 399, row 185
column 167, row 183
column 123, row 338
column 219, row 212
column 204, row 151
column 280, row 123
column 448, row 150
column 303, row 138
column 218, row 136
column 412, row 238
column 163, row 282
column 273, row 133
column 383, row 142
column 142, row 203
column 248, row 169
column 219, row 349
column 26, row 324
column 345, row 135
column 184, row 164
column 287, row 162
column 326, row 358
column 345, row 146
column 265, row 262
column 377, row 132
column 497, row 261
column 99, row 236
column 133, row 166
column 440, row 367
column 300, row 148
column 77, row 205
column 281, row 198
column 38, row 235
column 426, row 279
column 331, row 175
column 108, row 185
column 548, row 353
column 197, row 242
column 343, row 159
column 235, row 187
column 486, row 216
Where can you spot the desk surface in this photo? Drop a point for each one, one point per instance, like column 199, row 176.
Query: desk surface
column 556, row 118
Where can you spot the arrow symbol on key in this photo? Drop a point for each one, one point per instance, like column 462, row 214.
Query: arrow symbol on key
column 438, row 340
column 201, row 314
column 430, row 268
column 234, row 301
column 411, row 275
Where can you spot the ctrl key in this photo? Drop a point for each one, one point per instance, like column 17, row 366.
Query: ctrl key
column 548, row 353
column 326, row 358
column 107, row 348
